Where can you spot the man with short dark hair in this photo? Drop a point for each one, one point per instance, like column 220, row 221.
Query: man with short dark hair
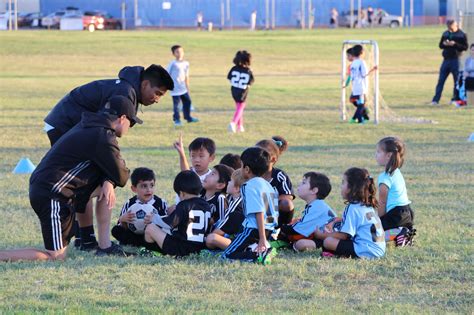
column 83, row 163
column 453, row 42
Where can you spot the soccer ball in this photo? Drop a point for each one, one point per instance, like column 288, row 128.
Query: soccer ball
column 140, row 210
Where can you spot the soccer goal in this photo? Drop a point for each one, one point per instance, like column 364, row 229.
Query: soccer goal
column 371, row 58
column 377, row 106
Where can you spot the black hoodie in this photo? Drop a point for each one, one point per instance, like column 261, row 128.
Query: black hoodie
column 91, row 97
column 79, row 161
column 453, row 52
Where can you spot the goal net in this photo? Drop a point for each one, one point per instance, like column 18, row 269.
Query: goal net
column 378, row 107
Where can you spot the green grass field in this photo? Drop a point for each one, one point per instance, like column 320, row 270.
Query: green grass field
column 296, row 95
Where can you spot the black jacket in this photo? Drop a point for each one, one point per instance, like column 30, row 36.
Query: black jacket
column 81, row 160
column 453, row 52
column 91, row 97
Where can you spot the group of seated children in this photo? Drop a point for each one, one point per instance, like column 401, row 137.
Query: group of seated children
column 244, row 206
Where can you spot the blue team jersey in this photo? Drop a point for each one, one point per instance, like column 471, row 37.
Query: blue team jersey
column 363, row 225
column 397, row 190
column 316, row 214
column 259, row 196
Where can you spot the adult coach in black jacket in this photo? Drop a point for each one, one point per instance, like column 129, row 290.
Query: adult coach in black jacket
column 453, row 42
column 84, row 162
column 139, row 85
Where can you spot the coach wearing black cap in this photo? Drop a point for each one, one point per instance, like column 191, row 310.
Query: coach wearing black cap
column 83, row 163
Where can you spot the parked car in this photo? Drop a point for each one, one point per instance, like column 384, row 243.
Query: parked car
column 381, row 18
column 99, row 20
column 30, row 19
column 53, row 20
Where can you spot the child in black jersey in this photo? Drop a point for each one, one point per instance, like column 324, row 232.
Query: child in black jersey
column 240, row 77
column 215, row 186
column 182, row 232
column 278, row 178
column 143, row 185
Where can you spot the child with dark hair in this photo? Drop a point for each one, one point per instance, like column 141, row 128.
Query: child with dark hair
column 183, row 231
column 179, row 71
column 143, row 185
column 260, row 210
column 240, row 77
column 361, row 234
column 231, row 160
column 278, row 178
column 231, row 224
column 202, row 152
column 394, row 208
column 215, row 187
column 359, row 74
column 313, row 189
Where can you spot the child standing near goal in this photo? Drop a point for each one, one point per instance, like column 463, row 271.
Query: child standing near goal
column 360, row 84
column 241, row 78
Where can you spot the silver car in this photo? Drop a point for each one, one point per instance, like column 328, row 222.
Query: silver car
column 380, row 18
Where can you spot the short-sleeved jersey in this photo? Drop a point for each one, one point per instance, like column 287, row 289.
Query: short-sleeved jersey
column 235, row 206
column 282, row 183
column 240, row 78
column 363, row 225
column 359, row 78
column 157, row 203
column 188, row 222
column 397, row 191
column 259, row 196
column 316, row 214
column 218, row 204
column 179, row 71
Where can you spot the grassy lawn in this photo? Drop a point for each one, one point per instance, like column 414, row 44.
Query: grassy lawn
column 296, row 95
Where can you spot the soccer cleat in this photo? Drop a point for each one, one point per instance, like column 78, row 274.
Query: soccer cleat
column 113, row 250
column 353, row 121
column 193, row 120
column 89, row 246
column 178, row 123
column 142, row 251
column 232, row 127
column 405, row 237
column 241, row 129
column 265, row 258
column 433, row 103
column 77, row 243
column 326, row 254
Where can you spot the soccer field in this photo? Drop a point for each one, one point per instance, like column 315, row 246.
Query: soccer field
column 296, row 94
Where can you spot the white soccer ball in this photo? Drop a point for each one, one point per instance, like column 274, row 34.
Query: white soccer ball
column 140, row 210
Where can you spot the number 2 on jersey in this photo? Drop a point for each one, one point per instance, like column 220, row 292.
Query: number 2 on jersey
column 239, row 80
column 198, row 225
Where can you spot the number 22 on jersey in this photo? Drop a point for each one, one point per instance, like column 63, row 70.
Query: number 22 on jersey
column 239, row 80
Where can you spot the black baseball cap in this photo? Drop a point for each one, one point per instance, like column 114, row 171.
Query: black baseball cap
column 120, row 105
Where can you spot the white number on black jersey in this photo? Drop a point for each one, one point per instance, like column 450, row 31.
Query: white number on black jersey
column 197, row 226
column 240, row 80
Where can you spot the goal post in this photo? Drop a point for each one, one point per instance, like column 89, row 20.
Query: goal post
column 374, row 90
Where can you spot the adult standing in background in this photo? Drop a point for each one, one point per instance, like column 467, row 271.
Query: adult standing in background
column 453, row 42
column 370, row 15
column 199, row 19
column 253, row 20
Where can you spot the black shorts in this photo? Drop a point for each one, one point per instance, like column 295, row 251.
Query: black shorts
column 54, row 135
column 345, row 248
column 401, row 216
column 56, row 218
column 232, row 224
column 176, row 247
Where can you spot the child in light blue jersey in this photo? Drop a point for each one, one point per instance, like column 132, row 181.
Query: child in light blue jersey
column 394, row 206
column 260, row 204
column 313, row 189
column 361, row 234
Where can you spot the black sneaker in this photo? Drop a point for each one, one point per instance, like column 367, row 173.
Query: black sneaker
column 77, row 243
column 88, row 246
column 113, row 250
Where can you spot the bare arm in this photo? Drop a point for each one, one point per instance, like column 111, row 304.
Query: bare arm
column 383, row 193
column 178, row 145
column 262, row 238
